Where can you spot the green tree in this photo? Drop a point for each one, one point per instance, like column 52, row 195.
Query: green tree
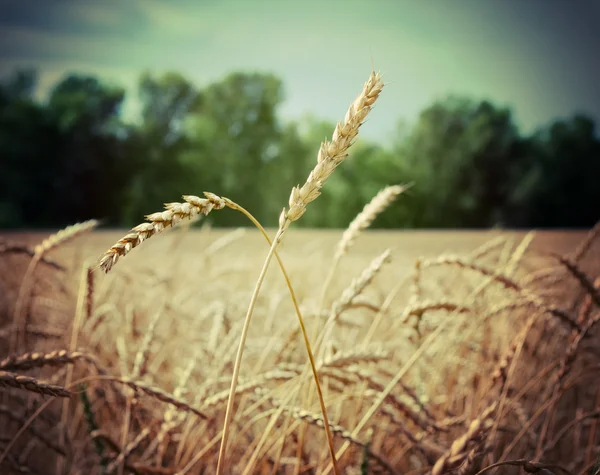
column 462, row 157
column 88, row 167
column 559, row 181
column 28, row 140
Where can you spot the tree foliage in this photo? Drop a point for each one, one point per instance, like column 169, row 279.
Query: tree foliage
column 73, row 157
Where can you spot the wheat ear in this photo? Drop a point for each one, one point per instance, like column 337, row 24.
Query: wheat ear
column 331, row 154
column 158, row 222
column 37, row 360
column 456, row 455
column 15, row 248
column 47, row 245
column 361, row 222
column 151, row 391
column 18, row 381
column 350, row 293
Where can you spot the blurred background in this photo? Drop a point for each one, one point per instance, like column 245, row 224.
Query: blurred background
column 110, row 108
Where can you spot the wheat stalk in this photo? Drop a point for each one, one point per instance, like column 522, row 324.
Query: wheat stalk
column 331, row 154
column 317, row 420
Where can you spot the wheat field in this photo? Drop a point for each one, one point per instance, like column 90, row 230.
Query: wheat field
column 168, row 322
column 352, row 352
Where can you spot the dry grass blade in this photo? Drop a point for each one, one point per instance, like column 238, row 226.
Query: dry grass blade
column 13, row 380
column 158, row 222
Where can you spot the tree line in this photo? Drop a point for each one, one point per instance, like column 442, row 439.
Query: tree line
column 73, row 157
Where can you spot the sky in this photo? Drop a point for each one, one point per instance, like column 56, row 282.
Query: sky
column 536, row 57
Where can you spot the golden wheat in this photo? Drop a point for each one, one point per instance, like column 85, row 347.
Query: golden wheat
column 158, row 222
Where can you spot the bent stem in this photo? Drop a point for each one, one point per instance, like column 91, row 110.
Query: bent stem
column 237, row 364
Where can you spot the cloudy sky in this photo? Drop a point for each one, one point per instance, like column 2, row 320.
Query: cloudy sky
column 536, row 56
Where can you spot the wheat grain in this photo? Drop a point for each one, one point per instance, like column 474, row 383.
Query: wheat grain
column 154, row 392
column 48, row 244
column 586, row 244
column 140, row 364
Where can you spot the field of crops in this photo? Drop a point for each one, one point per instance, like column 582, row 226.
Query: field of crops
column 449, row 353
